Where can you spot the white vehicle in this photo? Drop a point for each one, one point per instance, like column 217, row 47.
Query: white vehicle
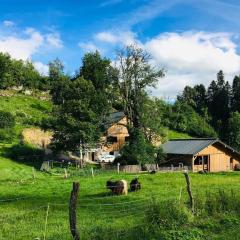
column 106, row 158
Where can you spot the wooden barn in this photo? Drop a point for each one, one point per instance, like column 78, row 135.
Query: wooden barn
column 200, row 154
column 116, row 133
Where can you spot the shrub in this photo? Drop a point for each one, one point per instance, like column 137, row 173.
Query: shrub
column 188, row 234
column 25, row 153
column 167, row 214
column 7, row 135
column 21, row 114
column 138, row 150
column 220, row 202
column 6, row 120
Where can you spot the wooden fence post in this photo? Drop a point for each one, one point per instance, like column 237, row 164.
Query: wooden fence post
column 65, row 173
column 118, row 167
column 189, row 190
column 73, row 211
column 92, row 172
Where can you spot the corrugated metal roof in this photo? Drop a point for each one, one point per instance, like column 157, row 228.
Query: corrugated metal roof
column 187, row 146
column 113, row 118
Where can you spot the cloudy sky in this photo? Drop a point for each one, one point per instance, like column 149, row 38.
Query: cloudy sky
column 191, row 39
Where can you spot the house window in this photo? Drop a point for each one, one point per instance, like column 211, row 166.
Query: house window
column 198, row 160
column 111, row 153
column 205, row 160
column 112, row 139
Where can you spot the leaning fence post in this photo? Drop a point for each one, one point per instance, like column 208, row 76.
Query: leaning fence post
column 189, row 190
column 73, row 211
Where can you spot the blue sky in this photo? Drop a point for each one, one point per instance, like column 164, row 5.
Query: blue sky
column 191, row 39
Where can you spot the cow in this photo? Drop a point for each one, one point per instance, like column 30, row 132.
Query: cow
column 135, row 185
column 117, row 187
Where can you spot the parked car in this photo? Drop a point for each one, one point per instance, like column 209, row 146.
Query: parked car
column 106, row 158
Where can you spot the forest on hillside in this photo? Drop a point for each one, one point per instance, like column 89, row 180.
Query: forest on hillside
column 83, row 102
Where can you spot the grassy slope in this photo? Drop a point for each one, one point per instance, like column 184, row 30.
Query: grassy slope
column 28, row 110
column 25, row 218
column 176, row 135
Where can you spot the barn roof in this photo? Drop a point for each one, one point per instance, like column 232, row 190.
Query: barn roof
column 191, row 146
column 113, row 118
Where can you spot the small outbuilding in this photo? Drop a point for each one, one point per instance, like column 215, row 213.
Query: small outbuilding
column 201, row 154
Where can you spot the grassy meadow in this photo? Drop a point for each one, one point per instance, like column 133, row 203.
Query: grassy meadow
column 37, row 208
column 158, row 211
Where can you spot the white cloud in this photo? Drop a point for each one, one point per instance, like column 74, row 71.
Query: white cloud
column 8, row 23
column 54, row 40
column 22, row 47
column 42, row 68
column 106, row 37
column 24, row 44
column 125, row 37
column 191, row 58
column 88, row 47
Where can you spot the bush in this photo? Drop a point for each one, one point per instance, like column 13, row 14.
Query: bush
column 6, row 120
column 26, row 153
column 138, row 150
column 219, row 203
column 7, row 135
column 167, row 214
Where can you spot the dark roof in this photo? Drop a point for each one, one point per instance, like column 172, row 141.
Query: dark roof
column 190, row 146
column 114, row 118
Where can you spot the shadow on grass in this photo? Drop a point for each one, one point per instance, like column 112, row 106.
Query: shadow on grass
column 25, row 154
column 100, row 195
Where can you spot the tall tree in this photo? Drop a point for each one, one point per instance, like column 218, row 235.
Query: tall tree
column 219, row 97
column 76, row 119
column 56, row 68
column 195, row 97
column 236, row 94
column 135, row 75
column 58, row 81
column 99, row 71
column 233, row 133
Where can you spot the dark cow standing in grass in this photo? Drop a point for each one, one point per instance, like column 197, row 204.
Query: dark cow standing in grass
column 118, row 187
column 135, row 185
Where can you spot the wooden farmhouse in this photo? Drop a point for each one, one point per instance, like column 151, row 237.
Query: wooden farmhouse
column 116, row 133
column 207, row 154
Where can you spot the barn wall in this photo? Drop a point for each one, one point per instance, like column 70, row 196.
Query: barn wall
column 120, row 131
column 219, row 158
column 175, row 159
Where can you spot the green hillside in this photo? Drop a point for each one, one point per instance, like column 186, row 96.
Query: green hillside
column 30, row 110
column 27, row 110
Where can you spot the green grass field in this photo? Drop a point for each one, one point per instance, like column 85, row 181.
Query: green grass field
column 159, row 210
column 24, row 202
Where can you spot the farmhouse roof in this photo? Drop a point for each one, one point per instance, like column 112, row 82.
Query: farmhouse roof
column 116, row 117
column 113, row 118
column 191, row 146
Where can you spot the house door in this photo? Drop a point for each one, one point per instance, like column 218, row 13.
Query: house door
column 231, row 163
column 206, row 163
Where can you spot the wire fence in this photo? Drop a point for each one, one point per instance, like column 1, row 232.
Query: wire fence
column 98, row 211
